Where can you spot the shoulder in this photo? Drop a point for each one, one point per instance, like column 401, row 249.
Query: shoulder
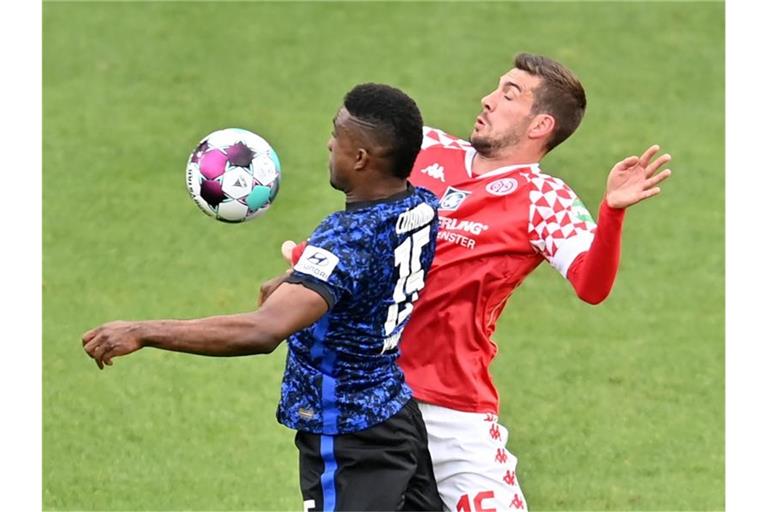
column 435, row 138
column 340, row 230
column 550, row 187
column 425, row 195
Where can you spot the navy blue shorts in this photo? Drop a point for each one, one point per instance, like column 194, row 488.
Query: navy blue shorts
column 385, row 467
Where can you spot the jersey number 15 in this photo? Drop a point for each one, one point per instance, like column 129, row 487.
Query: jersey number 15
column 411, row 278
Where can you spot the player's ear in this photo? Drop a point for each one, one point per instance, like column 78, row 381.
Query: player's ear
column 542, row 125
column 362, row 156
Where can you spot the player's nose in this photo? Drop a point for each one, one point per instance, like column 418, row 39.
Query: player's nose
column 488, row 101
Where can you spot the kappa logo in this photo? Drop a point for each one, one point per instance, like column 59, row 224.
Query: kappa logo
column 501, row 187
column 436, row 171
column 452, row 198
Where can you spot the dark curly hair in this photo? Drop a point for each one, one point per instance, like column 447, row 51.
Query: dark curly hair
column 397, row 123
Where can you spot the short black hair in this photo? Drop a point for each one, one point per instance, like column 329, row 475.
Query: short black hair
column 396, row 118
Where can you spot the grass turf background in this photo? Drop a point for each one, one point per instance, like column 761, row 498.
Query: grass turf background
column 616, row 407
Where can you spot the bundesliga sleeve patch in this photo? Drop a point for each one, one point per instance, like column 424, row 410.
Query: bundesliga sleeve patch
column 317, row 262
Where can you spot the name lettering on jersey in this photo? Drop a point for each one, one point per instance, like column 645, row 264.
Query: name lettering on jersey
column 447, row 223
column 414, row 218
column 436, row 171
column 456, row 238
column 317, row 262
column 452, row 198
column 501, row 187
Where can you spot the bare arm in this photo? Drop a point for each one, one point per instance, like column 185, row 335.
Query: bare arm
column 288, row 309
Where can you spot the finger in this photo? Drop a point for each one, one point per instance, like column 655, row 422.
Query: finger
column 655, row 180
column 88, row 335
column 628, row 162
column 100, row 349
column 106, row 358
column 649, row 154
column 262, row 296
column 92, row 345
column 653, row 167
column 287, row 249
column 650, row 193
column 97, row 361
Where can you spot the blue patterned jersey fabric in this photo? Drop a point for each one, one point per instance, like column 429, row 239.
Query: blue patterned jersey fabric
column 369, row 263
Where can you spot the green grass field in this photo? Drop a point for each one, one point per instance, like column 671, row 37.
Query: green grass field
column 615, row 407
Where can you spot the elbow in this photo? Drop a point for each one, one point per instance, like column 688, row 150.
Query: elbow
column 259, row 343
column 269, row 344
column 267, row 336
column 592, row 297
column 256, row 337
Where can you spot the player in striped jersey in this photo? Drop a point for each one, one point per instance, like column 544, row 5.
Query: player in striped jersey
column 361, row 439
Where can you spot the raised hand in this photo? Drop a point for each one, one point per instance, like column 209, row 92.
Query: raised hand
column 635, row 179
column 111, row 340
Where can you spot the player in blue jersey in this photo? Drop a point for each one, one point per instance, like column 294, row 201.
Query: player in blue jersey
column 362, row 443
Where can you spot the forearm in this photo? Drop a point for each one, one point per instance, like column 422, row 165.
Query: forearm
column 229, row 335
column 593, row 272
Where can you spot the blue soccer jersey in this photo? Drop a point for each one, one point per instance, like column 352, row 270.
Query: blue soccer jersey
column 369, row 263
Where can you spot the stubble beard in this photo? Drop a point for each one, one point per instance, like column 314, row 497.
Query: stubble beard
column 489, row 147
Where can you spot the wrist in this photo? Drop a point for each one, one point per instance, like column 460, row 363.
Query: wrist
column 611, row 204
column 610, row 214
column 145, row 333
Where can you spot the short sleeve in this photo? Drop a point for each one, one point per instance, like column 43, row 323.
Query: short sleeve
column 560, row 227
column 333, row 262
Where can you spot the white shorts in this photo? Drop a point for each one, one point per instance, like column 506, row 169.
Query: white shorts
column 474, row 470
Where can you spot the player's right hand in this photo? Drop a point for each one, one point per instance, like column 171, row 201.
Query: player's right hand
column 110, row 340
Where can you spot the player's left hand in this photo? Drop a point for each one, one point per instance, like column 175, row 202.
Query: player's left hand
column 267, row 287
column 634, row 179
column 111, row 340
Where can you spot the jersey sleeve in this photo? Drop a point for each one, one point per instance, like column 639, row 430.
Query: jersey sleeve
column 593, row 273
column 560, row 226
column 332, row 262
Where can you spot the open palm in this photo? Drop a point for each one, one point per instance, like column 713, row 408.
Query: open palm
column 635, row 178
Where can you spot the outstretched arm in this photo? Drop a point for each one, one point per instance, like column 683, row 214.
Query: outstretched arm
column 632, row 180
column 290, row 308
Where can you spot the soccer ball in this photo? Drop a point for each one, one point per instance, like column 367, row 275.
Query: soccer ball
column 233, row 175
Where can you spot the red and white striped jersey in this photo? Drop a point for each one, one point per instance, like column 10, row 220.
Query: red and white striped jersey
column 495, row 229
